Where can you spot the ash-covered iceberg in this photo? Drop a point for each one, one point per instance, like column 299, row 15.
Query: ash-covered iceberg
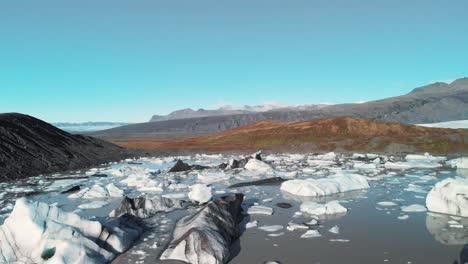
column 206, row 236
column 38, row 233
column 449, row 196
column 145, row 207
column 325, row 186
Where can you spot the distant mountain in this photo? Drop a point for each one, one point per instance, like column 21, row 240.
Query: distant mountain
column 232, row 110
column 29, row 146
column 87, row 126
column 330, row 134
column 438, row 102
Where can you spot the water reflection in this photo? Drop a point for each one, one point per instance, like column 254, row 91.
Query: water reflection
column 439, row 227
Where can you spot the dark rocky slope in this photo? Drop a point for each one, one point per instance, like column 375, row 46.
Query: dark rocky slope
column 29, row 146
column 433, row 103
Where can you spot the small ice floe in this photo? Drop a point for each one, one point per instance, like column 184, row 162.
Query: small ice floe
column 449, row 196
column 143, row 183
column 60, row 185
column 258, row 166
column 267, row 200
column 328, row 156
column 259, row 209
column 271, row 228
column 2, row 195
column 325, row 186
column 294, row 226
column 200, row 193
column 413, row 208
column 403, row 217
column 275, row 234
column 311, row 234
column 312, row 222
column 93, row 205
column 414, row 188
column 460, row 163
column 212, row 176
column 251, row 224
column 340, row 240
column 312, row 208
column 387, row 204
column 364, row 166
column 426, row 157
column 98, row 191
column 334, row 230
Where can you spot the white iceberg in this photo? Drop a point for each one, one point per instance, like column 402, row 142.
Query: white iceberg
column 259, row 209
column 311, row 234
column 449, row 196
column 460, row 163
column 212, row 176
column 325, row 186
column 200, row 193
column 38, row 233
column 258, row 166
column 414, row 208
column 98, row 191
column 312, row 208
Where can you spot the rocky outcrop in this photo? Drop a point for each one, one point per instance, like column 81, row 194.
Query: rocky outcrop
column 29, row 146
column 181, row 166
column 144, row 207
column 206, row 237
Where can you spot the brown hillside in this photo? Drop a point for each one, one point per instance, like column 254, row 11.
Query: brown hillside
column 341, row 133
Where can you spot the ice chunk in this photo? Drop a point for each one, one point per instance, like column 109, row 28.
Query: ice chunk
column 251, row 224
column 333, row 207
column 145, row 207
column 206, row 236
column 425, row 157
column 449, row 196
column 259, row 209
column 334, row 230
column 460, row 163
column 200, row 193
column 98, row 191
column 258, row 166
column 271, row 228
column 326, row 186
column 413, row 208
column 364, row 166
column 212, row 176
column 387, row 203
column 403, row 217
column 294, row 226
column 311, row 234
column 38, row 233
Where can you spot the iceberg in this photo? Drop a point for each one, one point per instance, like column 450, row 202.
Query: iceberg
column 38, row 233
column 200, row 193
column 449, row 196
column 312, row 208
column 325, row 186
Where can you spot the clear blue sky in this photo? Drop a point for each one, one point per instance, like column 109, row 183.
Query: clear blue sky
column 117, row 60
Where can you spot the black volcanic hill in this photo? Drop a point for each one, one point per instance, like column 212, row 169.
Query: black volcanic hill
column 29, row 146
column 437, row 102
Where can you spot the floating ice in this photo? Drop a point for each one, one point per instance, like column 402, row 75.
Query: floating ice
column 460, row 163
column 449, row 196
column 425, row 157
column 38, row 233
column 258, row 166
column 325, row 186
column 200, row 193
column 311, row 234
column 364, row 166
column 333, row 207
column 212, row 176
column 334, row 230
column 294, row 226
column 251, row 224
column 98, row 191
column 387, row 203
column 413, row 208
column 259, row 209
column 403, row 217
column 271, row 228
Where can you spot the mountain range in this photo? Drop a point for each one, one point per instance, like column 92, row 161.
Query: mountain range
column 437, row 102
column 233, row 110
